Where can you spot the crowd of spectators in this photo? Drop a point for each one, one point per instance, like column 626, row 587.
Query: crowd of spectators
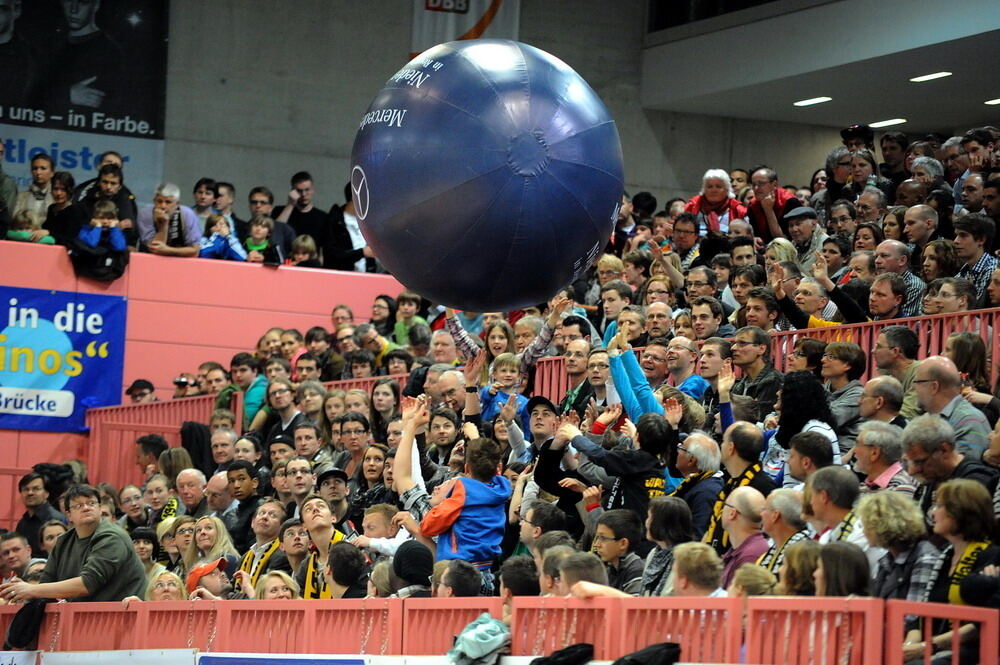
column 680, row 461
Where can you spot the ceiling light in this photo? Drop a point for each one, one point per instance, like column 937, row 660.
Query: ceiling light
column 813, row 100
column 930, row 77
column 887, row 123
column 992, row 102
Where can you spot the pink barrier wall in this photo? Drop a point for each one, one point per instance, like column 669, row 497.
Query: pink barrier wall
column 758, row 630
column 181, row 312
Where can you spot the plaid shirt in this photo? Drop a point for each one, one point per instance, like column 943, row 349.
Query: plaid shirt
column 979, row 274
column 915, row 287
column 911, row 575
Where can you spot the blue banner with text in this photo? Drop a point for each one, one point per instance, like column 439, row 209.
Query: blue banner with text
column 61, row 353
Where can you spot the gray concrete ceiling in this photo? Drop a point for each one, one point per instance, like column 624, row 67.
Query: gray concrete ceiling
column 870, row 90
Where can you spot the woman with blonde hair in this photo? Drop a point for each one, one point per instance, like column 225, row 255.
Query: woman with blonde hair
column 163, row 586
column 779, row 250
column 357, row 400
column 895, row 522
column 380, row 580
column 275, row 585
column 753, row 580
column 211, row 542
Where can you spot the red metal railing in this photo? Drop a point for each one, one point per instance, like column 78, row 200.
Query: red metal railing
column 710, row 630
column 932, row 333
column 988, row 632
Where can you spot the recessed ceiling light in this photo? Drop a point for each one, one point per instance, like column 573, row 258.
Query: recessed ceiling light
column 992, row 102
column 930, row 77
column 813, row 100
column 887, row 123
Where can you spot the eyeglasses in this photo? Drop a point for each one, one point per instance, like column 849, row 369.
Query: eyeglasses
column 186, row 531
column 598, row 366
column 683, row 232
column 350, row 432
column 682, row 449
column 280, row 391
column 606, row 539
column 740, row 342
column 85, row 504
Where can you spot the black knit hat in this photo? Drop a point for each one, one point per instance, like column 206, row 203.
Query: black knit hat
column 413, row 563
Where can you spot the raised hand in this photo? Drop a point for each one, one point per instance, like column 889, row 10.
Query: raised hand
column 629, row 430
column 573, row 484
column 470, row 431
column 473, row 368
column 673, row 411
column 611, row 414
column 509, row 410
column 591, row 495
column 726, row 381
column 777, row 279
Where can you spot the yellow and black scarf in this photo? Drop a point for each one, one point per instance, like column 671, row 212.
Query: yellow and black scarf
column 316, row 586
column 715, row 535
column 254, row 568
column 965, row 565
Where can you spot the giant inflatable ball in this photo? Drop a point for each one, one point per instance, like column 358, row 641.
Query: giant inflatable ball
column 486, row 175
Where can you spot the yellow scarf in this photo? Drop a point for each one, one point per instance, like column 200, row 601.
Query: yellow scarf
column 316, row 587
column 254, row 571
column 715, row 535
column 964, row 567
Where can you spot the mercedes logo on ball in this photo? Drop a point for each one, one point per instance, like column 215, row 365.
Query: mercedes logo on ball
column 359, row 191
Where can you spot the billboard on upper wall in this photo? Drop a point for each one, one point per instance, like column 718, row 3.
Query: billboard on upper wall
column 79, row 78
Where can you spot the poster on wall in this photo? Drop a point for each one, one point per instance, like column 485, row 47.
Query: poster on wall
column 439, row 21
column 79, row 78
column 61, row 353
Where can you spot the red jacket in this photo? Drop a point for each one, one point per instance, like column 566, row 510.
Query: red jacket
column 700, row 207
column 783, row 202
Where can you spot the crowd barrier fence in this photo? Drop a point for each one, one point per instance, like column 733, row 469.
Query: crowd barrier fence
column 987, row 620
column 814, row 631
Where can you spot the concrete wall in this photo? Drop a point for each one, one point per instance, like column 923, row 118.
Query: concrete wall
column 258, row 90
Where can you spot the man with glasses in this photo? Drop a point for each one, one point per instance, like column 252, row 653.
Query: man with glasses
column 685, row 240
column 781, row 520
column 751, row 353
column 872, row 205
column 881, row 400
column 281, row 398
column 698, row 460
column 679, row 359
column 95, row 561
column 877, row 453
column 741, row 518
column 261, row 203
column 939, row 391
column 932, row 457
column 770, row 203
column 301, row 481
column 598, row 375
